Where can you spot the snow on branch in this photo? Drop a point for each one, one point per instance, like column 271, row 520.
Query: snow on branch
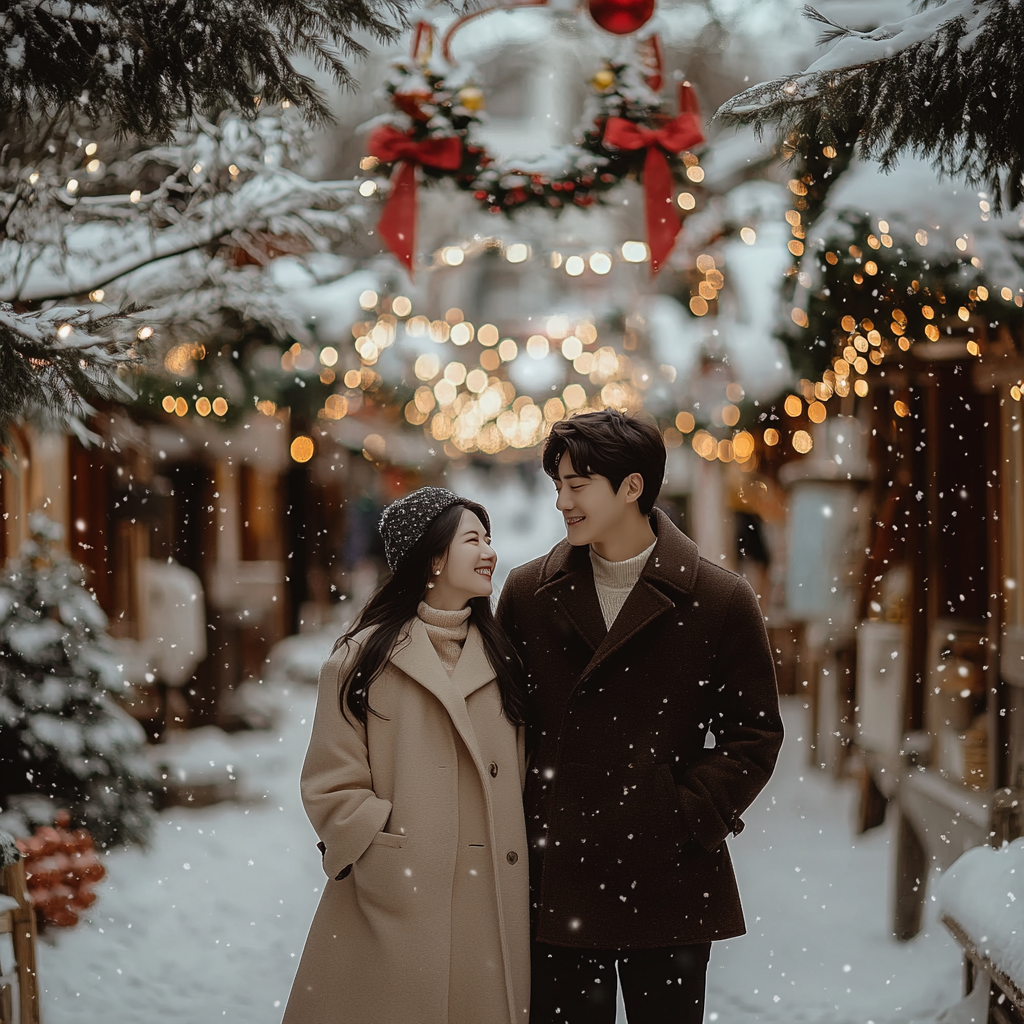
column 946, row 83
column 96, row 253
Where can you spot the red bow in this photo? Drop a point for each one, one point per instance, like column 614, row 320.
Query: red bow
column 682, row 132
column 397, row 225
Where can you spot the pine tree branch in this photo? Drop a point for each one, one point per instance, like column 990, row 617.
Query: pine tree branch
column 147, row 65
column 946, row 84
column 50, row 359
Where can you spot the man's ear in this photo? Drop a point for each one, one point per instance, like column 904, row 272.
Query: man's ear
column 634, row 484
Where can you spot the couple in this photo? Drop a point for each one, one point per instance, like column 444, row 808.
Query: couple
column 588, row 698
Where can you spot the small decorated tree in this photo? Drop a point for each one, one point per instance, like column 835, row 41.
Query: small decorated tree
column 63, row 738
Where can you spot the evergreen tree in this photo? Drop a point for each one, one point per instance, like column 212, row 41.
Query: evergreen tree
column 135, row 73
column 63, row 738
column 946, row 83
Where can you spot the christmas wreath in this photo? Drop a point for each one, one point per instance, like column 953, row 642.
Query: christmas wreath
column 626, row 133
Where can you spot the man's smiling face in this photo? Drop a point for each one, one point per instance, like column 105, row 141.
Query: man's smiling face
column 591, row 509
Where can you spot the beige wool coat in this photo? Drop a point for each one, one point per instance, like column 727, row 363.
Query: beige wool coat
column 424, row 806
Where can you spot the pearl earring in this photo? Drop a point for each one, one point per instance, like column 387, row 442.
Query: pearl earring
column 437, row 572
column 430, row 586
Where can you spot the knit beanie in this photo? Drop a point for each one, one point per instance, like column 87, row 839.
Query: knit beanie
column 405, row 521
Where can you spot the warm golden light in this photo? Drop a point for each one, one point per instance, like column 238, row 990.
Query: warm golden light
column 771, row 437
column 574, row 266
column 861, row 388
column 487, row 335
column 368, row 299
column 302, row 448
column 168, row 403
column 329, row 355
column 203, row 406
column 685, row 422
column 816, row 412
column 686, row 201
column 455, row 372
column 462, row 333
column 537, row 346
column 401, row 305
column 336, row 407
column 793, row 405
column 730, row 415
column 705, row 445
column 574, row 396
column 517, row 252
column 698, row 305
column 181, row 406
column 572, row 347
column 802, row 442
column 508, row 350
column 427, row 366
column 353, row 378
column 220, row 406
column 634, row 252
column 743, row 446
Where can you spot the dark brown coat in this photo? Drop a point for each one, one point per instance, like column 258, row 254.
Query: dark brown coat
column 627, row 812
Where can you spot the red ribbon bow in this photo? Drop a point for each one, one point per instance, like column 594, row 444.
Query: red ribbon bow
column 397, row 224
column 682, row 132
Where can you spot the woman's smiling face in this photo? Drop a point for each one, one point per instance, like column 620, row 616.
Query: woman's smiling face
column 467, row 567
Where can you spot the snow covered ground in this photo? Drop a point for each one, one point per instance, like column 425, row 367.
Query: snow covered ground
column 207, row 926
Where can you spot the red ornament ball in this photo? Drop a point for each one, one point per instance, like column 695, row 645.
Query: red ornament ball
column 621, row 17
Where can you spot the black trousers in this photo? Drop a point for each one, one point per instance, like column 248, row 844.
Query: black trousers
column 578, row 986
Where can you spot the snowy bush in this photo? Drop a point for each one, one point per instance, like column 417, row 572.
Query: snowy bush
column 64, row 741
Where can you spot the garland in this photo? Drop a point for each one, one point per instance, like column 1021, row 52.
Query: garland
column 626, row 133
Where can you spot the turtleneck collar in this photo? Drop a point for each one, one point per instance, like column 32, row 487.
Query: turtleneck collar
column 447, row 631
column 619, row 575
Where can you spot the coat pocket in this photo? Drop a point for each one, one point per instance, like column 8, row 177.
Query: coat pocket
column 392, row 839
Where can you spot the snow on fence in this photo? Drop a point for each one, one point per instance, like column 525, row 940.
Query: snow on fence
column 981, row 900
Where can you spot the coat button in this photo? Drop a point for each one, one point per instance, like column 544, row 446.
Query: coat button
column 494, row 769
column 511, row 856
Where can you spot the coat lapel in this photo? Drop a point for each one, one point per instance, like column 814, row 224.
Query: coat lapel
column 644, row 604
column 573, row 594
column 418, row 660
column 672, row 566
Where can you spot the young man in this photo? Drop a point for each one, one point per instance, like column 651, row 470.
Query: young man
column 635, row 648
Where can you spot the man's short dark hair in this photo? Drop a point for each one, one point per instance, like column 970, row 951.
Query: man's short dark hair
column 611, row 445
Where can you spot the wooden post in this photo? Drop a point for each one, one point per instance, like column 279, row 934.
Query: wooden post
column 23, row 935
column 911, row 877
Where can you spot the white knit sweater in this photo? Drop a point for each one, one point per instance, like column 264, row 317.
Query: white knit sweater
column 614, row 581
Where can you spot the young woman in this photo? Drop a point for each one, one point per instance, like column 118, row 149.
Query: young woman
column 413, row 783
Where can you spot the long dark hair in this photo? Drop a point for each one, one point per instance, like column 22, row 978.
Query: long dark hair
column 394, row 604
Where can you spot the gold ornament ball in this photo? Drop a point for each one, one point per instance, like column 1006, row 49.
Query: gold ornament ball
column 471, row 98
column 603, row 80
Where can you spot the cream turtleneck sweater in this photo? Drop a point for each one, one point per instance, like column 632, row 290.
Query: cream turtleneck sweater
column 447, row 631
column 614, row 581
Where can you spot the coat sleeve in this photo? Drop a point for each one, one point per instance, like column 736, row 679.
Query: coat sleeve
column 337, row 789
column 744, row 706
